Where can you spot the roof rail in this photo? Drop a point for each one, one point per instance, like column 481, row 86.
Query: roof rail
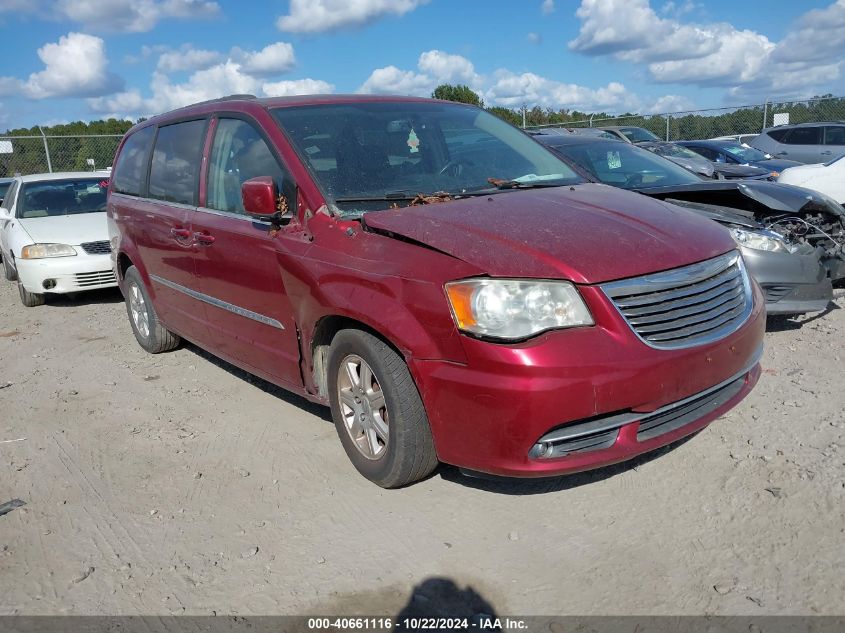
column 243, row 97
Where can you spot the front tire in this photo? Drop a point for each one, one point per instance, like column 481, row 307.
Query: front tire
column 148, row 330
column 30, row 299
column 377, row 411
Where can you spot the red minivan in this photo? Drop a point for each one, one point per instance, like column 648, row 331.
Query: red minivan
column 444, row 283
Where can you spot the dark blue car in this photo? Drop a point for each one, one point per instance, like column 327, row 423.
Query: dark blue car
column 732, row 153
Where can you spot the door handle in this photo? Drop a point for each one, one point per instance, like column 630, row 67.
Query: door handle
column 781, row 154
column 204, row 238
column 825, row 153
column 180, row 234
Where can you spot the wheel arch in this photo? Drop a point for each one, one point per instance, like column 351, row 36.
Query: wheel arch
column 325, row 329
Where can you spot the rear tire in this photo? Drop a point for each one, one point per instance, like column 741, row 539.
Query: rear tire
column 377, row 411
column 30, row 299
column 148, row 330
column 10, row 273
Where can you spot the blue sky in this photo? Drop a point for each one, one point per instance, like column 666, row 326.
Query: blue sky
column 85, row 59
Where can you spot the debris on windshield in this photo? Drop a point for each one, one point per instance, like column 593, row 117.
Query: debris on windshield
column 431, row 198
column 502, row 182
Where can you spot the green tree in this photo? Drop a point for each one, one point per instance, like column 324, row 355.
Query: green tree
column 459, row 93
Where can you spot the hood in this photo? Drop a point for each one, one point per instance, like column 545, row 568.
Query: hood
column 722, row 215
column 775, row 164
column 803, row 170
column 755, row 195
column 703, row 166
column 587, row 233
column 740, row 171
column 67, row 229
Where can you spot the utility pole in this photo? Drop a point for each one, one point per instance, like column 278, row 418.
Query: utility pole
column 765, row 113
column 46, row 150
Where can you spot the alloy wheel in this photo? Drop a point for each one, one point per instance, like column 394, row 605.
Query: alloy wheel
column 363, row 407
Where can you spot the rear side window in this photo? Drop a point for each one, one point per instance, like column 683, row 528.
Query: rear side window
column 834, row 135
column 778, row 135
column 804, row 136
column 175, row 165
column 131, row 168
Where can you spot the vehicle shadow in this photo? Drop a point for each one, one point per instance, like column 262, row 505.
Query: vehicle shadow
column 88, row 298
column 545, row 485
column 789, row 323
column 313, row 408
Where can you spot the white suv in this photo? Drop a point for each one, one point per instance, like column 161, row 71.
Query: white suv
column 804, row 142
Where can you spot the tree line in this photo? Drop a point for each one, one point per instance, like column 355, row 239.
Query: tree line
column 683, row 126
column 71, row 146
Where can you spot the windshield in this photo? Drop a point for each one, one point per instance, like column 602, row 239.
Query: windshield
column 365, row 155
column 626, row 166
column 744, row 154
column 62, row 197
column 638, row 134
column 678, row 151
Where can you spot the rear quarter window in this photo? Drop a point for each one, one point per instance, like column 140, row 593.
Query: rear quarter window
column 174, row 169
column 834, row 135
column 804, row 136
column 131, row 168
column 9, row 196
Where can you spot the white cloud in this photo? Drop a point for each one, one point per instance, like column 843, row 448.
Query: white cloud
column 317, row 16
column 134, row 16
column 211, row 83
column 75, row 66
column 446, row 68
column 547, row 7
column 294, row 87
column 436, row 67
column 535, row 38
column 631, row 30
column 187, row 58
column 669, row 103
column 514, row 90
column 392, row 80
column 819, row 36
column 806, row 60
column 271, row 60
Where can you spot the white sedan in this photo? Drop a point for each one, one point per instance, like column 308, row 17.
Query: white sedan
column 828, row 178
column 53, row 234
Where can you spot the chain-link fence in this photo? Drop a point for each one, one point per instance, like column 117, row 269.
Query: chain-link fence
column 710, row 123
column 40, row 154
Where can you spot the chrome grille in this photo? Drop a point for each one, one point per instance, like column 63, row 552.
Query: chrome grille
column 686, row 306
column 97, row 248
column 84, row 280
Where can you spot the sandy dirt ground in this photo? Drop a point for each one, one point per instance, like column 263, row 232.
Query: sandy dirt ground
column 176, row 484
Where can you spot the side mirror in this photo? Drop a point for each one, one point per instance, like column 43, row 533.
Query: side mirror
column 259, row 196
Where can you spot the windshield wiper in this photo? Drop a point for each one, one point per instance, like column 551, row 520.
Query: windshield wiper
column 388, row 197
column 500, row 184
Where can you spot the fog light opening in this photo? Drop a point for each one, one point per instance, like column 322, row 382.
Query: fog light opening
column 49, row 284
column 543, row 450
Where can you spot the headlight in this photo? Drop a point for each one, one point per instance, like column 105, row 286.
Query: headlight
column 513, row 309
column 760, row 240
column 38, row 251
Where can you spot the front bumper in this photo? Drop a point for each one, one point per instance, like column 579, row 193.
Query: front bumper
column 792, row 283
column 489, row 414
column 70, row 274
